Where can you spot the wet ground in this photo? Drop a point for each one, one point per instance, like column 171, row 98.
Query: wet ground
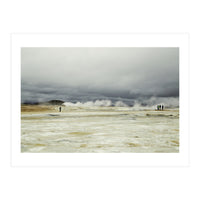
column 100, row 129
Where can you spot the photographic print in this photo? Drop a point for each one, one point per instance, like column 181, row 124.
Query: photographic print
column 99, row 99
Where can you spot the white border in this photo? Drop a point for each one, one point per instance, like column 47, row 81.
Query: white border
column 100, row 159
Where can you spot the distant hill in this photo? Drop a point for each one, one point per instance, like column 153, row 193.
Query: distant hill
column 55, row 102
column 30, row 103
column 51, row 102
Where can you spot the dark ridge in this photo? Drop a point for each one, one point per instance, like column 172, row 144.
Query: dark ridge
column 55, row 102
column 51, row 102
column 30, row 103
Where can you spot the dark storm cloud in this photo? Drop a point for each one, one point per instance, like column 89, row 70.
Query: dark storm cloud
column 69, row 73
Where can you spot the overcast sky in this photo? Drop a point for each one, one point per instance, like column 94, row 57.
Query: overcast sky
column 92, row 73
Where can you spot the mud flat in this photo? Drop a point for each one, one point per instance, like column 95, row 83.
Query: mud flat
column 98, row 130
column 38, row 108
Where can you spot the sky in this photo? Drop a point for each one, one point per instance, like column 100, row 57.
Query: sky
column 91, row 73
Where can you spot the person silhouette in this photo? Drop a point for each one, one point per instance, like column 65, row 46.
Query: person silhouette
column 59, row 109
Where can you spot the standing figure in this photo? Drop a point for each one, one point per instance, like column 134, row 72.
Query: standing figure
column 59, row 109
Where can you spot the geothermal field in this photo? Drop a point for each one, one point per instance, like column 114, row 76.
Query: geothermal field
column 98, row 129
column 100, row 99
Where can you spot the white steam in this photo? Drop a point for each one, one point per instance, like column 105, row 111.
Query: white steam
column 120, row 104
column 139, row 104
column 153, row 101
column 105, row 103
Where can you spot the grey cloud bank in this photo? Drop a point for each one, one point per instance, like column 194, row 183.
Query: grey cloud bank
column 85, row 74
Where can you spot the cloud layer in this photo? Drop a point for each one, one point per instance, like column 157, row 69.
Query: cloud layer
column 82, row 74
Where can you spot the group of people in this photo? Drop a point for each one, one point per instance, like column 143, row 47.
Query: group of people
column 160, row 107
